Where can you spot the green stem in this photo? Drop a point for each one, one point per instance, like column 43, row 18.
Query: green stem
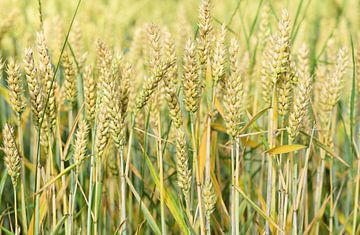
column 22, row 182
column 91, row 185
column 123, row 192
column 98, row 192
column 198, row 180
column 233, row 198
column 356, row 198
column 15, row 210
column 161, row 166
column 237, row 199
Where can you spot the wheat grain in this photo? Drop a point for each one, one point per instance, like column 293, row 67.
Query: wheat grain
column 301, row 96
column 191, row 82
column 182, row 168
column 35, row 87
column 70, row 79
column 80, row 143
column 12, row 155
column 16, row 90
column 47, row 75
column 90, row 94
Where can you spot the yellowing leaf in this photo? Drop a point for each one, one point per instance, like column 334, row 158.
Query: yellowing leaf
column 218, row 127
column 202, row 153
column 219, row 108
column 285, row 149
column 43, row 210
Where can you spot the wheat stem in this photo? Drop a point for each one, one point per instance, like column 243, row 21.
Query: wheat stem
column 198, row 179
column 91, row 184
column 17, row 229
column 22, row 182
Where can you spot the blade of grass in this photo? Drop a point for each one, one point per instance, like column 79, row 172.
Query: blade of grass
column 144, row 209
column 257, row 208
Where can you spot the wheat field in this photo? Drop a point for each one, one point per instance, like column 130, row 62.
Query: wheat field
column 180, row 117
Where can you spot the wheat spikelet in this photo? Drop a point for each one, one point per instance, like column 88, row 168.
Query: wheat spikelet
column 118, row 108
column 154, row 44
column 219, row 59
column 90, row 94
column 80, row 143
column 12, row 155
column 35, row 87
column 16, row 90
column 182, row 168
column 332, row 87
column 70, row 79
column 191, row 82
column 150, row 85
column 282, row 66
column 234, row 93
column 267, row 81
column 49, row 86
column 209, row 198
column 264, row 27
column 104, row 66
column 205, row 28
column 302, row 95
column 127, row 72
column 102, row 130
column 170, row 54
column 170, row 83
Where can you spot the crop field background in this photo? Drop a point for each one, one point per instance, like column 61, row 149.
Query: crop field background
column 179, row 117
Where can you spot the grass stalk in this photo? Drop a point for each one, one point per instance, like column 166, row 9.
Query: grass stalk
column 356, row 198
column 161, row 169
column 233, row 198
column 15, row 211
column 123, row 192
column 237, row 195
column 91, row 184
column 22, row 181
column 197, row 174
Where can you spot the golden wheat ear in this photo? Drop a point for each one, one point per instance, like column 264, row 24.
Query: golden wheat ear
column 12, row 155
column 15, row 86
column 70, row 79
column 191, row 81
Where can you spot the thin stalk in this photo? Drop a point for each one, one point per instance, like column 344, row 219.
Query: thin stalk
column 320, row 178
column 131, row 136
column 22, row 182
column 237, row 198
column 271, row 180
column 123, row 192
column 233, row 200
column 198, row 181
column 37, row 198
column 208, row 147
column 161, row 166
column 73, row 199
column 356, row 198
column 52, row 188
column 15, row 211
column 62, row 167
column 332, row 208
column 98, row 191
column 72, row 187
column 319, row 183
column 91, row 184
column 294, row 191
